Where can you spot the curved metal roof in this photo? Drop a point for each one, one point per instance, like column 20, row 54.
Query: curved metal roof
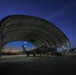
column 32, row 29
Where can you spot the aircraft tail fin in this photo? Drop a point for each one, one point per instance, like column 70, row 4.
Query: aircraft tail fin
column 24, row 49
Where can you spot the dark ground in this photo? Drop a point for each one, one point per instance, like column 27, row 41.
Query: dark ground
column 63, row 65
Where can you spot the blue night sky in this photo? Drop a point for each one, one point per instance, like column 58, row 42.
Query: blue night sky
column 62, row 13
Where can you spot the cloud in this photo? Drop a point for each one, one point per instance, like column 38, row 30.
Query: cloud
column 62, row 11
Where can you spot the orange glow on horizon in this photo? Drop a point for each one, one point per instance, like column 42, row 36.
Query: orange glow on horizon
column 11, row 51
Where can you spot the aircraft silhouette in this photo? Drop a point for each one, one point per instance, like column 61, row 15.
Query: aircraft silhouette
column 40, row 50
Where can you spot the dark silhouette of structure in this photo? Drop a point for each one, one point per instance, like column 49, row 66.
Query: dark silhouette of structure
column 33, row 29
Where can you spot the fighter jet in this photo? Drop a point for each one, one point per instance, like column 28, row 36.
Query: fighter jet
column 40, row 50
column 28, row 52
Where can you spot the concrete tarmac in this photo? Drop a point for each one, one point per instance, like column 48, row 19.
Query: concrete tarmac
column 22, row 65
